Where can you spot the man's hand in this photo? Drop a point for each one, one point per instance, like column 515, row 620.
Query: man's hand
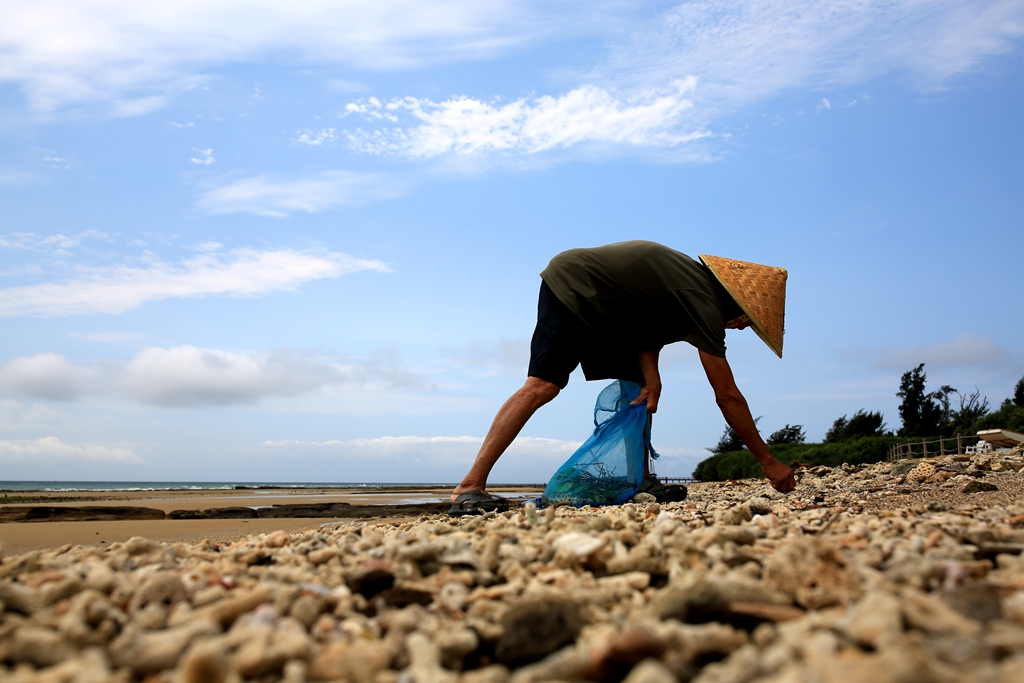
column 781, row 477
column 650, row 393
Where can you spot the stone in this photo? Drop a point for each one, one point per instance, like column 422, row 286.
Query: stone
column 920, row 473
column 533, row 628
column 163, row 588
column 813, row 573
column 650, row 671
column 84, row 513
column 734, row 515
column 578, row 545
column 454, row 645
column 215, row 513
column 876, row 620
column 903, row 468
column 149, row 652
column 931, row 615
column 979, row 487
column 759, row 506
column 701, row 599
column 976, row 600
column 39, row 646
column 205, row 663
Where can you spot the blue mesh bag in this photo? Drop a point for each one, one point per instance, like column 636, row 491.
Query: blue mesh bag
column 608, row 468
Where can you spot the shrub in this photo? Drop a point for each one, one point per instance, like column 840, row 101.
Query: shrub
column 743, row 465
column 861, row 424
column 730, row 440
column 788, row 434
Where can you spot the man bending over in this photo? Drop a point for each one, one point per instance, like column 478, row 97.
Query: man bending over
column 612, row 309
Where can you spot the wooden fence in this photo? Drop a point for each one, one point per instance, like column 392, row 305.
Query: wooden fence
column 940, row 446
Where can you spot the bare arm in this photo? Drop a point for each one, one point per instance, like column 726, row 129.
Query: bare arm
column 737, row 414
column 651, row 392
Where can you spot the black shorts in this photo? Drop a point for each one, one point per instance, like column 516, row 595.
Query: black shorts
column 561, row 341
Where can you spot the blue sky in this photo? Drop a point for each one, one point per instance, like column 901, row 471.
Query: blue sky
column 301, row 241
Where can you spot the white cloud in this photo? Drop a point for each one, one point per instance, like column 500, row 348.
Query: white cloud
column 190, row 124
column 503, row 358
column 239, row 272
column 134, row 56
column 743, row 52
column 466, row 126
column 59, row 244
column 966, row 350
column 824, row 104
column 44, row 375
column 190, row 376
column 266, row 195
column 108, row 337
column 463, row 447
column 53, row 450
column 317, row 138
column 205, row 157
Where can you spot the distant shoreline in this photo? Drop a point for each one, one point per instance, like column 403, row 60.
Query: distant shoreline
column 375, row 500
column 57, row 487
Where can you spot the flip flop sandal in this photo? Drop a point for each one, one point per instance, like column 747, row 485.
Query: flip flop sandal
column 476, row 502
column 674, row 493
column 662, row 493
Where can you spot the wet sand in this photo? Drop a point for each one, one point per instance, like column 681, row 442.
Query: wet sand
column 17, row 538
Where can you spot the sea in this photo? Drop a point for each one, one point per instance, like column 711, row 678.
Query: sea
column 62, row 486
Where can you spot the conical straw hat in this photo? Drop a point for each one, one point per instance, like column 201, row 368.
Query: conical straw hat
column 759, row 290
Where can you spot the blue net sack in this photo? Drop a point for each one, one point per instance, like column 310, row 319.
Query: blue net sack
column 608, row 468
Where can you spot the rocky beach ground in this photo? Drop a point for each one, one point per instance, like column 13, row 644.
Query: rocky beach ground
column 870, row 573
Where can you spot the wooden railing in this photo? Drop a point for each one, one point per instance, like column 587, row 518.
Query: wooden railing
column 941, row 446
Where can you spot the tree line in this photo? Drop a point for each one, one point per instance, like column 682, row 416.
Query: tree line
column 864, row 437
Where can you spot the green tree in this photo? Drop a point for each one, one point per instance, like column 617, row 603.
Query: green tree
column 788, row 434
column 923, row 413
column 1018, row 393
column 863, row 423
column 730, row 440
column 973, row 407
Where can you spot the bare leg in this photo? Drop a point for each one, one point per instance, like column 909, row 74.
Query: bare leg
column 507, row 424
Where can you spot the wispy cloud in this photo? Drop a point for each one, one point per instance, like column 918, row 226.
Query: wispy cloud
column 317, row 138
column 268, row 195
column 134, row 56
column 191, row 376
column 965, row 350
column 50, row 449
column 59, row 244
column 744, row 52
column 48, row 376
column 464, row 447
column 108, row 337
column 204, row 157
column 504, row 358
column 467, row 126
column 240, row 272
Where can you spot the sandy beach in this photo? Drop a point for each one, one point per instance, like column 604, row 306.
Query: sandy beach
column 887, row 573
column 17, row 538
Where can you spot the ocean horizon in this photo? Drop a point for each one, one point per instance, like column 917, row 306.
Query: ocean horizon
column 99, row 486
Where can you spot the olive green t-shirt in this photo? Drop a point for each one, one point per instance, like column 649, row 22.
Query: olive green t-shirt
column 643, row 294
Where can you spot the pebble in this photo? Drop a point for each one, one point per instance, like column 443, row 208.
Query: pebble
column 880, row 572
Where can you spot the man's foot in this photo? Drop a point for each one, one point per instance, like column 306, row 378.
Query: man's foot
column 663, row 494
column 781, row 477
column 466, row 488
column 476, row 502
